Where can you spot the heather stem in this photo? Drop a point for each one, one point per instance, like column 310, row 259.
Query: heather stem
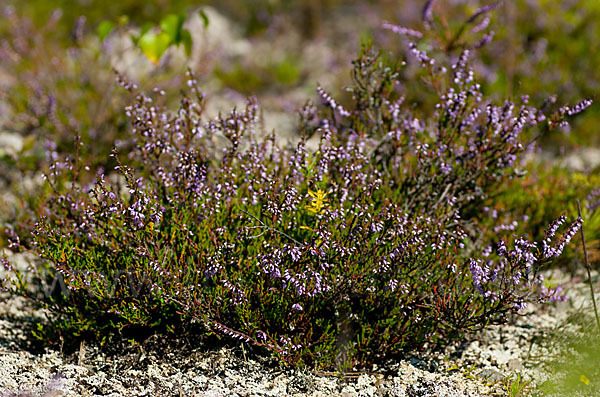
column 587, row 267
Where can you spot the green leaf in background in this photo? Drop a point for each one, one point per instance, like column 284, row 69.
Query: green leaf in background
column 145, row 29
column 153, row 45
column 286, row 71
column 28, row 143
column 204, row 17
column 123, row 20
column 104, row 29
column 186, row 39
column 172, row 25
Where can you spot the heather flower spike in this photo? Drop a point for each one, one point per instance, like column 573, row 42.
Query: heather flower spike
column 402, row 30
column 427, row 13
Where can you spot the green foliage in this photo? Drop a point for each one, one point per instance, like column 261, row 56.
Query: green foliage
column 153, row 45
column 516, row 386
column 285, row 72
column 575, row 368
column 525, row 205
column 104, row 29
column 256, row 76
column 153, row 41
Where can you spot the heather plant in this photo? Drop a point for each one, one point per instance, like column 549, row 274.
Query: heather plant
column 57, row 91
column 360, row 249
column 558, row 50
column 553, row 57
column 523, row 206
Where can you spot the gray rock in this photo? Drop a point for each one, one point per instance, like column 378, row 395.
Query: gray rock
column 10, row 143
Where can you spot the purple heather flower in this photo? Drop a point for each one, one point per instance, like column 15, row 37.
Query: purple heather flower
column 426, row 13
column 402, row 30
column 296, row 253
column 551, row 231
column 330, row 102
column 501, row 248
column 13, row 238
column 580, row 107
column 566, row 237
column 479, row 274
column 487, row 251
column 482, row 11
column 6, row 264
column 552, row 294
column 482, row 25
column 421, row 55
column 485, row 40
column 239, row 296
column 445, row 168
column 508, row 226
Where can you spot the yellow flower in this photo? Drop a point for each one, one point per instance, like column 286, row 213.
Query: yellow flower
column 319, row 201
column 584, row 379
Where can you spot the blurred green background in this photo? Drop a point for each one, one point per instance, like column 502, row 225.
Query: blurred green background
column 540, row 48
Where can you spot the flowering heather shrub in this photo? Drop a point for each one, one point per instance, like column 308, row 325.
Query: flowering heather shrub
column 336, row 256
column 55, row 91
column 553, row 55
column 525, row 206
column 58, row 91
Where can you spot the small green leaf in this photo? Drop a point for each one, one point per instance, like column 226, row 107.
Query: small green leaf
column 28, row 143
column 172, row 25
column 204, row 17
column 104, row 29
column 123, row 20
column 153, row 45
column 186, row 39
column 135, row 39
column 145, row 29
